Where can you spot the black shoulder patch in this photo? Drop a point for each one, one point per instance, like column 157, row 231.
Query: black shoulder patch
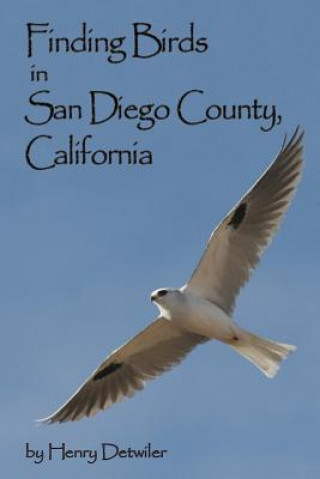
column 106, row 371
column 238, row 216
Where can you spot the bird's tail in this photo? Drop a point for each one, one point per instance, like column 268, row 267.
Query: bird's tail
column 263, row 353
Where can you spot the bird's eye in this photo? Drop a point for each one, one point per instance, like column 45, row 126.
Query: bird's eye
column 162, row 292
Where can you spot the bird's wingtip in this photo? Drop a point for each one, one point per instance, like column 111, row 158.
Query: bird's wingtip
column 294, row 139
column 42, row 422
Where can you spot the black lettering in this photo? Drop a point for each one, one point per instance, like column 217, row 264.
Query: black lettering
column 187, row 44
column 180, row 111
column 104, row 445
column 142, row 30
column 115, row 49
column 202, row 45
column 29, row 158
column 35, row 28
column 114, row 105
column 48, row 106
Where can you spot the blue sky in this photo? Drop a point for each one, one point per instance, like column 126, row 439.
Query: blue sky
column 83, row 247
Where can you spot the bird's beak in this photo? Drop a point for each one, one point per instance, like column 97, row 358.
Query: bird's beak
column 153, row 297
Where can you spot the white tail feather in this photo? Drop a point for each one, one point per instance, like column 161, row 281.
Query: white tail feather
column 263, row 353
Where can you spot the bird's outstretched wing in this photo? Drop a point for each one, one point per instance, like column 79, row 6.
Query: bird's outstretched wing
column 156, row 349
column 235, row 246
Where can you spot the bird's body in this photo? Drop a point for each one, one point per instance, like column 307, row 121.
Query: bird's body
column 189, row 312
column 197, row 315
column 202, row 310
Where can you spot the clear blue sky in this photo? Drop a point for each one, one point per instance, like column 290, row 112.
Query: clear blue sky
column 82, row 248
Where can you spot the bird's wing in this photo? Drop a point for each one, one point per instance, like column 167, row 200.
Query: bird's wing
column 156, row 349
column 235, row 246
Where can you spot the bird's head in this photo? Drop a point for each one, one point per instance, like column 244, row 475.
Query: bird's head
column 166, row 298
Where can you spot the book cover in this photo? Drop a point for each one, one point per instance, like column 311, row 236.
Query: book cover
column 130, row 130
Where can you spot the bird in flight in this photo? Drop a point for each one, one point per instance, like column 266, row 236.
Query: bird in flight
column 202, row 309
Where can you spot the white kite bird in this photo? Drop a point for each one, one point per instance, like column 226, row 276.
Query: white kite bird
column 202, row 309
